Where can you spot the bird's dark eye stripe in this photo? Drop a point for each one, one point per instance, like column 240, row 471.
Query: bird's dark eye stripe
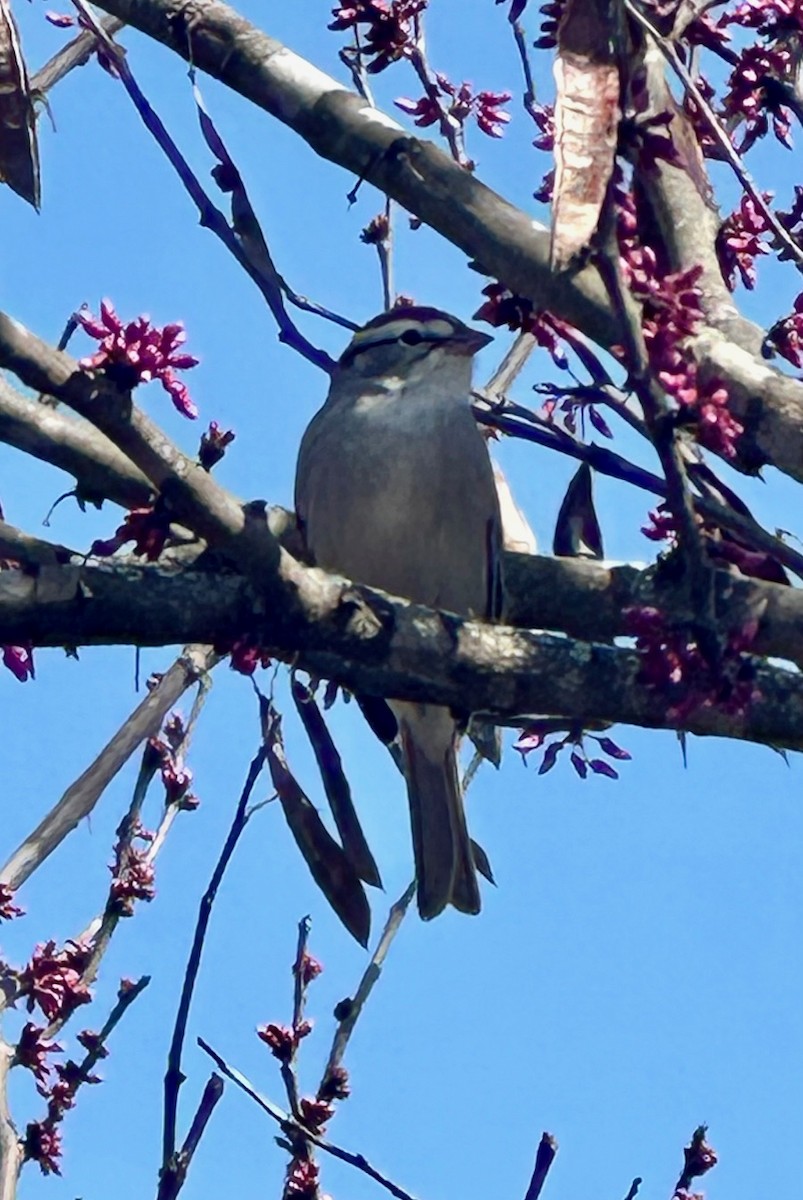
column 410, row 337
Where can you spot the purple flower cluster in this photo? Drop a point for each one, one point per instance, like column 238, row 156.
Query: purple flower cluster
column 175, row 776
column 148, row 528
column 740, row 242
column 674, row 665
column 53, row 980
column 19, row 661
column 460, row 102
column 671, row 312
column 503, row 307
column 786, row 335
column 132, row 872
column 536, row 734
column 138, row 352
column 389, row 31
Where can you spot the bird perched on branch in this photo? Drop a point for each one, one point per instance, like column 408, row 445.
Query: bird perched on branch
column 395, row 489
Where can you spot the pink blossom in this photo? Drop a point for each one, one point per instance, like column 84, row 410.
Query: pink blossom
column 139, row 353
column 459, row 102
column 740, row 241
column 43, row 1145
column 53, row 979
column 8, row 910
column 19, row 660
column 388, row 32
column 786, row 335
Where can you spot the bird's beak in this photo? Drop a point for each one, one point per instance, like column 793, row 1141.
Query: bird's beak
column 466, row 342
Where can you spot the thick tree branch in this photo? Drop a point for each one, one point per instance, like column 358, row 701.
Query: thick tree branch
column 507, row 243
column 360, row 637
column 119, row 602
column 381, row 646
column 341, row 127
column 100, row 470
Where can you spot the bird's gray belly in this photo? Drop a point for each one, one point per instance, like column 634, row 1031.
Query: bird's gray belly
column 417, row 531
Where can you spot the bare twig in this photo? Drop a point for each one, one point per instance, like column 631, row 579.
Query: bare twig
column 101, row 471
column 76, row 53
column 529, row 97
column 171, row 1185
column 545, row 1156
column 124, row 1001
column 370, row 977
column 384, row 249
column 449, row 127
column 510, row 367
column 295, row 1130
column 287, row 1068
column 82, row 796
column 211, row 216
column 633, row 1189
column 173, row 1075
column 10, row 1148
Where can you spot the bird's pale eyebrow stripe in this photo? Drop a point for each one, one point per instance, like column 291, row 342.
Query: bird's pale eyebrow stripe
column 391, row 331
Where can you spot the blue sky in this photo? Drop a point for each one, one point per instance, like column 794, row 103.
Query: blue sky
column 638, row 969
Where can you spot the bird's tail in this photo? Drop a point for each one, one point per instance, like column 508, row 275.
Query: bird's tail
column 443, row 860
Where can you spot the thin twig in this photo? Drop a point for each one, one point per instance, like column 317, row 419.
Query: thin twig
column 82, row 796
column 351, row 58
column 544, row 1158
column 179, row 754
column 295, row 1130
column 124, row 1001
column 76, row 53
column 172, row 1181
column 384, row 249
column 529, row 97
column 366, row 985
column 633, row 1189
column 10, row 1149
column 520, row 422
column 288, row 1068
column 450, row 129
column 211, row 216
column 511, row 366
column 173, row 1075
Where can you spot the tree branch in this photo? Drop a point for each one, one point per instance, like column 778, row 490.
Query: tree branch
column 100, row 470
column 81, row 797
column 378, row 646
column 119, row 602
column 506, row 242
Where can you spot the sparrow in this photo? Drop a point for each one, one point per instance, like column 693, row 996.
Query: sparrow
column 395, row 489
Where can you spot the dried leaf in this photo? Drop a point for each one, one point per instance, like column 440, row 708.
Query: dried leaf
column 600, row 767
column 336, row 785
column 609, row 747
column 327, row 861
column 19, row 153
column 380, row 718
column 579, row 763
column 550, row 757
column 577, row 531
column 486, row 739
column 587, row 115
column 482, row 862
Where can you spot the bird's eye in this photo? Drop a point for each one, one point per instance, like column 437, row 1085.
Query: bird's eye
column 411, row 337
